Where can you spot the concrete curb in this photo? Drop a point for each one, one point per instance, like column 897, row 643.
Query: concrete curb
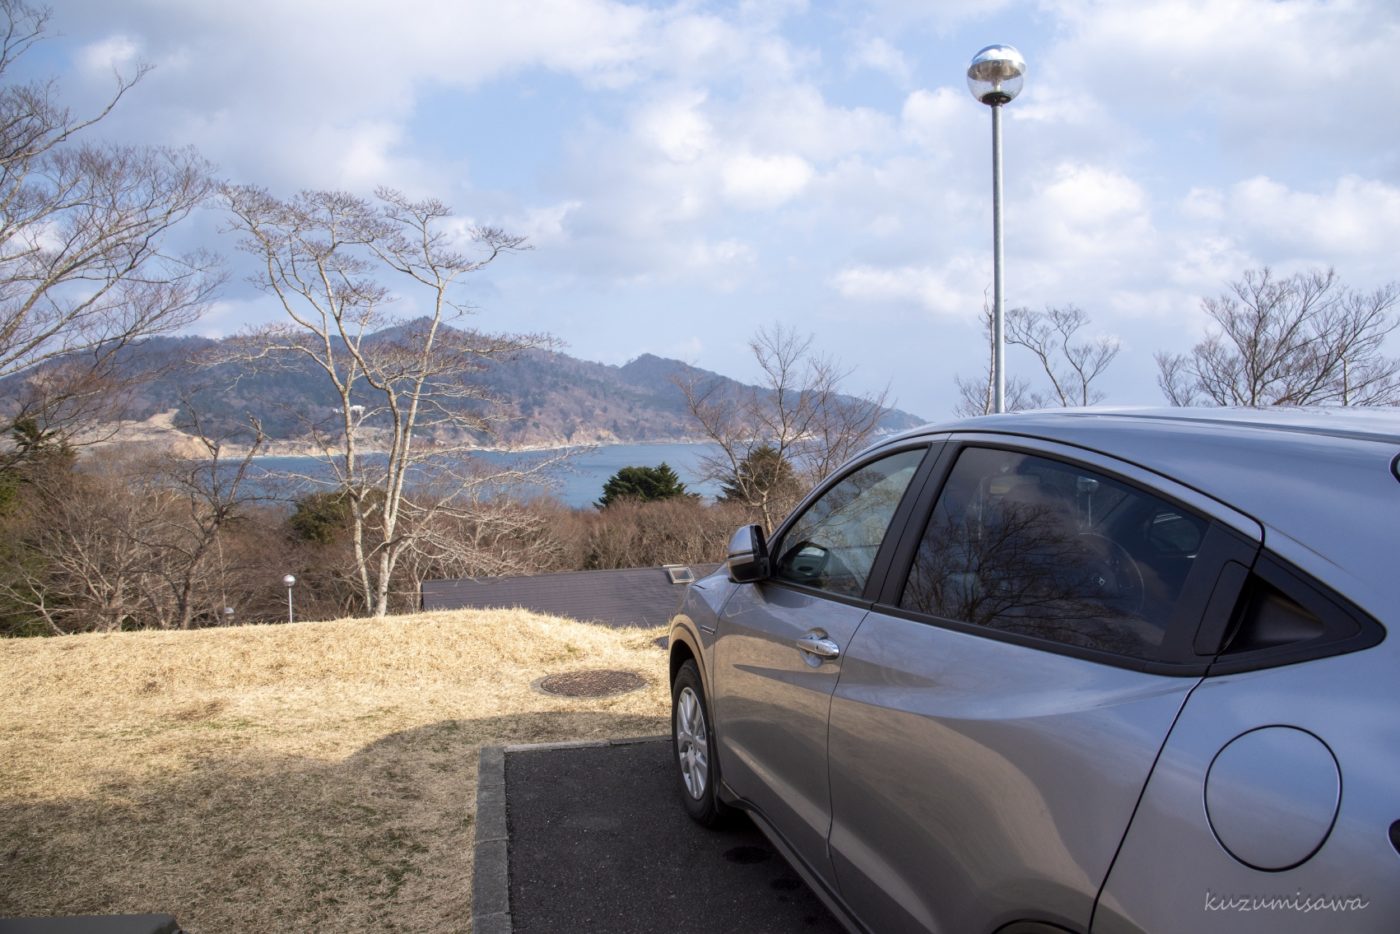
column 491, row 862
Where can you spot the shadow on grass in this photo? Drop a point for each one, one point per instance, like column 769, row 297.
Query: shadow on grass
column 379, row 841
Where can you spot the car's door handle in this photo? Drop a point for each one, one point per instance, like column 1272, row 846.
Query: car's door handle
column 819, row 645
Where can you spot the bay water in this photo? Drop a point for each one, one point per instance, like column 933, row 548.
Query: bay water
column 576, row 481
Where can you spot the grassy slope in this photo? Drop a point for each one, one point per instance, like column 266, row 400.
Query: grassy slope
column 320, row 776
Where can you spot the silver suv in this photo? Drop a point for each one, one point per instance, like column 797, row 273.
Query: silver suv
column 1109, row 671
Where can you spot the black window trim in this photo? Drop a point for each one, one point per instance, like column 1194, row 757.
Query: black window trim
column 1224, row 523
column 933, row 446
column 1347, row 627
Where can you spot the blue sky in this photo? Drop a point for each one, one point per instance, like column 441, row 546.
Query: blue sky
column 688, row 172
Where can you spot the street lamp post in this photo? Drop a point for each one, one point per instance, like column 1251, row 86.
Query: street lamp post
column 290, row 581
column 995, row 77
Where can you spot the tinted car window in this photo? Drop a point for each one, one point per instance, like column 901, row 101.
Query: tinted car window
column 1043, row 548
column 832, row 545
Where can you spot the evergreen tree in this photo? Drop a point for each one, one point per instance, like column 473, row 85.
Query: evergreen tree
column 643, row 484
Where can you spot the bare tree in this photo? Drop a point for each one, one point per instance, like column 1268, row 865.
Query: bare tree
column 85, row 565
column 407, row 410
column 83, row 272
column 501, row 537
column 1303, row 340
column 210, row 493
column 798, row 412
column 975, row 394
column 135, row 540
column 678, row 530
column 1070, row 367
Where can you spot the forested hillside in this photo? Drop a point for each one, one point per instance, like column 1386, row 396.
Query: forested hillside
column 551, row 398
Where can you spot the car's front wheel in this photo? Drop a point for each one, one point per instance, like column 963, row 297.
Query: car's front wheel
column 693, row 742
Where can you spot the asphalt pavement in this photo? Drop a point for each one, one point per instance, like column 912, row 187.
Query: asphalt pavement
column 592, row 838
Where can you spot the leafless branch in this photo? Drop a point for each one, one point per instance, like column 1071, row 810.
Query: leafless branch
column 1303, row 340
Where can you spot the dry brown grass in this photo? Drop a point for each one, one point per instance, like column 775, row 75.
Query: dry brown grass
column 320, row 776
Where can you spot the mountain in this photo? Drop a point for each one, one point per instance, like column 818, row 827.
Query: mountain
column 552, row 398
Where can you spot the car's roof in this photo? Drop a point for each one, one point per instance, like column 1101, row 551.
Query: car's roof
column 1320, row 481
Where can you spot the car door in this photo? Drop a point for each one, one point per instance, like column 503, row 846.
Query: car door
column 778, row 649
column 1002, row 704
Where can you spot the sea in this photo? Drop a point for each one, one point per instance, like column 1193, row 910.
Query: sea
column 576, row 481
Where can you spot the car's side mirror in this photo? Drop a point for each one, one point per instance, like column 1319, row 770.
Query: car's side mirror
column 748, row 555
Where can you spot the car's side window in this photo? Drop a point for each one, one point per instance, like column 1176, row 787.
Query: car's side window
column 832, row 545
column 1053, row 550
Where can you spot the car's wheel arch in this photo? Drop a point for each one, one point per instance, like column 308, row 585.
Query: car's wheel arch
column 682, row 649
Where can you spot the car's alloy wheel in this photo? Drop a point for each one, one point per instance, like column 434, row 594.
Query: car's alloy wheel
column 693, row 742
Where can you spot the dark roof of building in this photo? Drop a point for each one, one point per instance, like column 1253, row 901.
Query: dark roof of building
column 639, row 597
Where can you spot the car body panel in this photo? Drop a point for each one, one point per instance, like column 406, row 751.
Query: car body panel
column 1174, row 875
column 773, row 700
column 971, row 777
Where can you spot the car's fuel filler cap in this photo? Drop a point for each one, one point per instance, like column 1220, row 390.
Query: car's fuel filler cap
column 1272, row 796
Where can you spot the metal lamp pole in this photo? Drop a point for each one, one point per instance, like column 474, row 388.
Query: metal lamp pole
column 290, row 581
column 995, row 78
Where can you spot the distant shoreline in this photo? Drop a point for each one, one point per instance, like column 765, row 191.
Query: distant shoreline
column 296, row 449
column 159, row 431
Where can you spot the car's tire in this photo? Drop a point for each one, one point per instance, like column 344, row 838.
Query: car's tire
column 693, row 748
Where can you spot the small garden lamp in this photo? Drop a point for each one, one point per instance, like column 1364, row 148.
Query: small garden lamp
column 290, row 581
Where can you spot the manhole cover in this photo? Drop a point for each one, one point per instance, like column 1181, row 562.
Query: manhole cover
column 663, row 643
column 598, row 682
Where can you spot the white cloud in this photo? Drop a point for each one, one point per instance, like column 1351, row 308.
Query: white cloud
column 367, row 153
column 1086, row 220
column 942, row 15
column 676, row 126
column 705, row 254
column 765, row 182
column 722, row 264
column 546, row 226
column 796, row 117
column 1201, row 260
column 1204, row 204
column 1351, row 225
column 114, row 53
column 939, row 119
column 1047, row 102
column 1358, row 218
column 949, row 291
column 879, row 55
column 1089, row 198
column 1268, row 70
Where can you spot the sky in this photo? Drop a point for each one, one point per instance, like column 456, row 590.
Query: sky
column 689, row 172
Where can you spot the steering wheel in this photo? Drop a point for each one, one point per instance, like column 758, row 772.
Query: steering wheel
column 809, row 563
column 1113, row 574
column 805, row 561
